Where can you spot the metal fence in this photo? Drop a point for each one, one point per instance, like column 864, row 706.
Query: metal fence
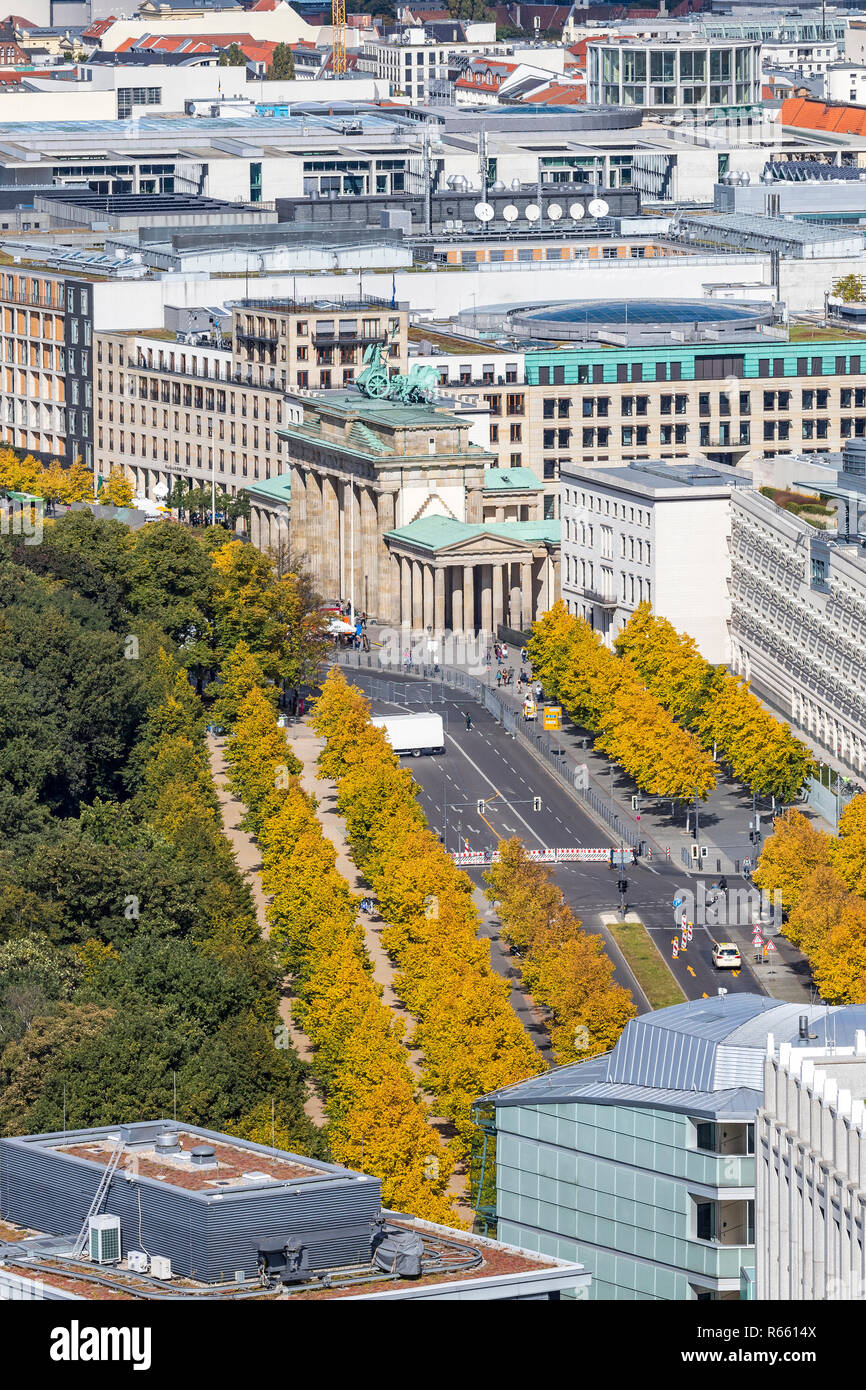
column 572, row 775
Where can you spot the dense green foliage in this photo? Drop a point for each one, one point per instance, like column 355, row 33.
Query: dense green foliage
column 132, row 970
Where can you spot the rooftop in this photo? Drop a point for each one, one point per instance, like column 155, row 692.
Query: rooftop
column 704, row 1057
column 439, row 532
column 511, row 480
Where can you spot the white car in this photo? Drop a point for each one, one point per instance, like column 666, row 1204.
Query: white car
column 726, row 955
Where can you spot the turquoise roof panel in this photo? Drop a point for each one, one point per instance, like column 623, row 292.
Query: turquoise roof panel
column 511, row 480
column 438, row 532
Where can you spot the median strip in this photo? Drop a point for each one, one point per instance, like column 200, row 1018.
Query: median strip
column 647, row 964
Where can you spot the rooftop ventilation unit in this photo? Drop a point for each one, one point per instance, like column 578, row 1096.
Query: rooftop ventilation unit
column 203, row 1156
column 103, row 1234
column 167, row 1143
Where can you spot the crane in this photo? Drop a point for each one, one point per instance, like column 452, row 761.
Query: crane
column 338, row 25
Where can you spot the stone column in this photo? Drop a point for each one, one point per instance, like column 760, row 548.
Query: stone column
column 439, row 599
column 405, row 591
column 417, row 594
column 372, row 574
column 330, row 535
column 527, row 606
column 498, row 595
column 515, row 617
column 314, row 527
column 487, row 598
column 427, row 571
column 468, row 599
column 456, row 598
column 299, row 542
column 387, row 601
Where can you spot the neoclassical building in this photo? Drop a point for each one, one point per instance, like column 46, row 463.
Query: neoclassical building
column 396, row 510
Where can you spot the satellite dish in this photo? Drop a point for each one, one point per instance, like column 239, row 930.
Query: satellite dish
column 597, row 207
column 484, row 212
column 554, row 212
column 533, row 213
column 510, row 213
column 576, row 211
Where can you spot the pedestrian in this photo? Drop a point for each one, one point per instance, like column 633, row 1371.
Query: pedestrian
column 499, row 678
column 504, row 651
column 301, row 706
column 364, row 621
column 538, row 690
column 468, row 720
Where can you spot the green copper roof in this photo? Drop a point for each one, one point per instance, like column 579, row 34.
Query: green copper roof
column 363, row 435
column 279, row 487
column 438, row 532
column 511, row 480
column 386, row 412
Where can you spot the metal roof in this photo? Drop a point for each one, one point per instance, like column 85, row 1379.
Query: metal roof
column 702, row 1057
column 437, row 532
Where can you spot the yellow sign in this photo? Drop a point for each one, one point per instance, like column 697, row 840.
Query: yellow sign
column 552, row 717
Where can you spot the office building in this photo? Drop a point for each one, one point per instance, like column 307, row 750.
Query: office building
column 811, row 1169
column 640, row 1164
column 713, row 79
column 153, row 1203
column 654, row 533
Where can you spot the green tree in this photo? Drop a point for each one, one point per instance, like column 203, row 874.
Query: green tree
column 282, row 65
column 233, row 57
column 849, row 288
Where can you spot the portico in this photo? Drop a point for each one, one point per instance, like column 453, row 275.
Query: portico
column 463, row 577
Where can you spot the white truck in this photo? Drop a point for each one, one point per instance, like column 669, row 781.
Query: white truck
column 413, row 733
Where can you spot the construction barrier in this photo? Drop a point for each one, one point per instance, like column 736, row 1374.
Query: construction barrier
column 467, row 859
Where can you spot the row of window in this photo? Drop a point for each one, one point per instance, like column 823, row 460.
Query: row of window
column 707, row 367
column 622, row 511
column 197, row 397
column 201, row 458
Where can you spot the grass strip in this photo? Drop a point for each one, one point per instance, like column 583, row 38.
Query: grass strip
column 646, row 962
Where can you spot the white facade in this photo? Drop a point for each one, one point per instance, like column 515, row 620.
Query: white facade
column 846, row 82
column 811, row 1174
column 798, row 623
column 647, row 534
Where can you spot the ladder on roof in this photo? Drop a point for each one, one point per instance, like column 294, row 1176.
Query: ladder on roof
column 99, row 1195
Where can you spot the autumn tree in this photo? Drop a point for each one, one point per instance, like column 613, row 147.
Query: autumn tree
column 790, row 856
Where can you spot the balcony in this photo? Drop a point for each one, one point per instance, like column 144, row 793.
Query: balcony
column 606, row 601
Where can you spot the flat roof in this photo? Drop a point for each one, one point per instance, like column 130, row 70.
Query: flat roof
column 232, row 1164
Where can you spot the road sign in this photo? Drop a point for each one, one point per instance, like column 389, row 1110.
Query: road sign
column 552, row 717
column 678, row 902
column 770, row 946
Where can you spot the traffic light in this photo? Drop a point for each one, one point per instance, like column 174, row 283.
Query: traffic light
column 622, row 885
column 536, row 803
column 480, row 806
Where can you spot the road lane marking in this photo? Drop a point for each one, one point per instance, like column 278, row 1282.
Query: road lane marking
column 691, row 972
column 483, row 774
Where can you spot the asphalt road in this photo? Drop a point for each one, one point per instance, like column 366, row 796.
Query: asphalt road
column 486, row 763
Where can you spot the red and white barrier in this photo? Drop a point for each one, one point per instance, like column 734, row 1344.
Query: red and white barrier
column 469, row 859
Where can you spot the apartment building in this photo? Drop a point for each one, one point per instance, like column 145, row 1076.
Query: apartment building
column 168, row 408
column 320, row 345
column 47, row 331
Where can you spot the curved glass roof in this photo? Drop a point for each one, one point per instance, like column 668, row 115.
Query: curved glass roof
column 643, row 311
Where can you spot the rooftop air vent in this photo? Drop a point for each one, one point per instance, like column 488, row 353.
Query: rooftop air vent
column 203, row 1156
